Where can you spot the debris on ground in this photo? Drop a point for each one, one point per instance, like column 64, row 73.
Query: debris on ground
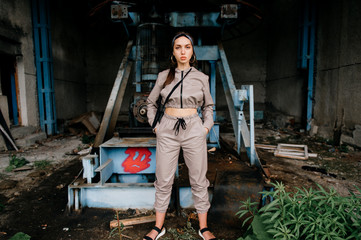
column 40, row 193
column 296, row 151
column 89, row 120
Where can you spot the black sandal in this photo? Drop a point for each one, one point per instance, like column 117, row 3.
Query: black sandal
column 201, row 231
column 161, row 232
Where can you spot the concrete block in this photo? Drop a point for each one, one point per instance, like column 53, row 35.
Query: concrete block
column 357, row 135
column 22, row 131
column 2, row 144
column 347, row 139
column 314, row 128
column 31, row 139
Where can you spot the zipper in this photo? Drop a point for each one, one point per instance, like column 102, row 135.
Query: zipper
column 181, row 93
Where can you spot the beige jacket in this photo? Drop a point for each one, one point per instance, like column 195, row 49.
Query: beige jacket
column 193, row 94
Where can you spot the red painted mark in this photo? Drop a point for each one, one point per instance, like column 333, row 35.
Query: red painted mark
column 132, row 165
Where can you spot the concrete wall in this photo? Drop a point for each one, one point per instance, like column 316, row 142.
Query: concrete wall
column 338, row 78
column 285, row 84
column 247, row 57
column 16, row 39
column 105, row 47
column 87, row 52
column 68, row 28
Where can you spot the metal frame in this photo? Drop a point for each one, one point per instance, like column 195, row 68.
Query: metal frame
column 120, row 187
column 235, row 100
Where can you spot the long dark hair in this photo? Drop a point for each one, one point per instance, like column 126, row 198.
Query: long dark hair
column 173, row 64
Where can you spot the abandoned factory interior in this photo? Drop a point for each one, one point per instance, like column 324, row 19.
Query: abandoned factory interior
column 279, row 106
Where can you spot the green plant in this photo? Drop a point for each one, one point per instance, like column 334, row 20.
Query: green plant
column 306, row 214
column 42, row 164
column 187, row 232
column 85, row 139
column 15, row 162
column 20, row 236
column 344, row 148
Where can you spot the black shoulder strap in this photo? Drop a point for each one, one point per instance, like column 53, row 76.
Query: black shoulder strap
column 174, row 88
column 160, row 110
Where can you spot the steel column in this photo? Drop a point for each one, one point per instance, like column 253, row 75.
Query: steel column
column 44, row 66
column 306, row 56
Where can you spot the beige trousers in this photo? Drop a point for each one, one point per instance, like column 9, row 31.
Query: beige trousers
column 193, row 142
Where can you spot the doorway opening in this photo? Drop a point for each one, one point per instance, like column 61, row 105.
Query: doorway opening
column 9, row 90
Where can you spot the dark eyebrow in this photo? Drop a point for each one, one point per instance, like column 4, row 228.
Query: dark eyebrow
column 178, row 45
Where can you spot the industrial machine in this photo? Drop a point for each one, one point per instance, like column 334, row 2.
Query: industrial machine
column 121, row 173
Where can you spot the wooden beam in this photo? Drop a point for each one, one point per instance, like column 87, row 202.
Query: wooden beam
column 118, row 102
column 113, row 96
column 133, row 221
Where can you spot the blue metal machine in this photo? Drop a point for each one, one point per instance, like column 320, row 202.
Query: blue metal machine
column 121, row 175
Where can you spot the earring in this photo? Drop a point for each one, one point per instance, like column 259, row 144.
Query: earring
column 172, row 60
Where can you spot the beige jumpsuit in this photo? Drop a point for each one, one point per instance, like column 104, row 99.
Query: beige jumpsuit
column 188, row 133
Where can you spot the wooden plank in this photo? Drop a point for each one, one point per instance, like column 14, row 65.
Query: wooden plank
column 118, row 102
column 133, row 221
column 113, row 96
column 262, row 146
column 23, row 168
column 291, row 145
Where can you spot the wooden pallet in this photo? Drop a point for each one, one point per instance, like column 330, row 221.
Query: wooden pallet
column 295, row 151
column 292, row 151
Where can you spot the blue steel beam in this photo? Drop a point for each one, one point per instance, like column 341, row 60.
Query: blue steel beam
column 44, row 66
column 235, row 101
column 306, row 45
column 311, row 66
column 207, row 53
column 191, row 19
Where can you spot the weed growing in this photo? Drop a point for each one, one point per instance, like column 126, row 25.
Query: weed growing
column 117, row 231
column 15, row 162
column 187, row 232
column 42, row 164
column 85, row 139
column 307, row 214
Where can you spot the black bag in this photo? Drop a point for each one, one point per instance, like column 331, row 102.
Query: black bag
column 161, row 107
column 160, row 111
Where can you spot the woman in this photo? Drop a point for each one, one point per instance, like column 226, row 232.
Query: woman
column 181, row 127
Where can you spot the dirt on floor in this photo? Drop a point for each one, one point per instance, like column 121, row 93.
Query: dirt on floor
column 34, row 201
